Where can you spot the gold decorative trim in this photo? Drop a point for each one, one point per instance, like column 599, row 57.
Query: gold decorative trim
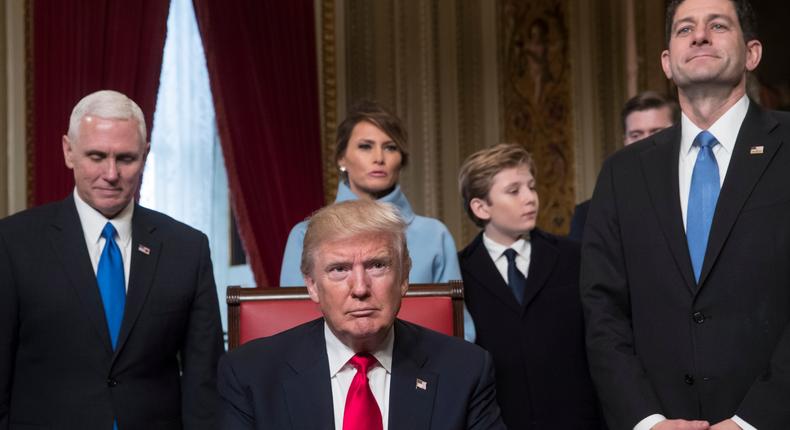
column 29, row 95
column 329, row 120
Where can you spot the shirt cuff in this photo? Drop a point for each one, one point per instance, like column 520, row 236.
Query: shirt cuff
column 743, row 424
column 649, row 422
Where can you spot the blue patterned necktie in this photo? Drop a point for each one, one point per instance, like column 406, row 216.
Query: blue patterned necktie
column 110, row 278
column 703, row 195
column 515, row 279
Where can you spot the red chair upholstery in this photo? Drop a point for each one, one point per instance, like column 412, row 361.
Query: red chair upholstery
column 261, row 312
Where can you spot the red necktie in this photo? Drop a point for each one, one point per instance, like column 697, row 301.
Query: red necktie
column 362, row 412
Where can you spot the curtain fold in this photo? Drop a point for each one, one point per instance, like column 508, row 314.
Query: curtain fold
column 78, row 47
column 261, row 58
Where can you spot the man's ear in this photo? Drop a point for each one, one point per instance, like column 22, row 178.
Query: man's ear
column 754, row 52
column 480, row 208
column 665, row 64
column 68, row 154
column 312, row 288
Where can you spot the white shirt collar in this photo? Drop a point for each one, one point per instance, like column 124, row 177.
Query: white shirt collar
column 93, row 221
column 725, row 129
column 339, row 354
column 521, row 246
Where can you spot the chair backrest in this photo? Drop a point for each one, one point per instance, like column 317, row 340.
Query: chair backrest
column 259, row 312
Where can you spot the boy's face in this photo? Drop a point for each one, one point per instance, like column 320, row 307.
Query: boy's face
column 511, row 208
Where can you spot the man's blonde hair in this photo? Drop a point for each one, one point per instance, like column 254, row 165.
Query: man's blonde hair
column 355, row 218
column 477, row 173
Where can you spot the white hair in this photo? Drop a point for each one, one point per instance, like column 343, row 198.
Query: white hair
column 106, row 104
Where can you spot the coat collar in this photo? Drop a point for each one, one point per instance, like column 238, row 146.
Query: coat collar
column 68, row 242
column 309, row 384
column 743, row 173
column 145, row 252
column 412, row 387
column 396, row 198
column 660, row 165
column 543, row 259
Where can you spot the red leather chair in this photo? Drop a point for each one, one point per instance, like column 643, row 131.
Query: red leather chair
column 259, row 312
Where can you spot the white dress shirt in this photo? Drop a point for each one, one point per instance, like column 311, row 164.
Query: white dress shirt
column 496, row 250
column 725, row 130
column 342, row 374
column 93, row 223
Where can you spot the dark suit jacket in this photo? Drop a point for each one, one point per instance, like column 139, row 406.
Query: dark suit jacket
column 658, row 342
column 578, row 220
column 542, row 377
column 57, row 367
column 283, row 382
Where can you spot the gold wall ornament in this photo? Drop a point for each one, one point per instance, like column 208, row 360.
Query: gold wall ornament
column 536, row 103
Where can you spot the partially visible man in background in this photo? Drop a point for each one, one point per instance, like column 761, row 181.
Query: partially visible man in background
column 643, row 115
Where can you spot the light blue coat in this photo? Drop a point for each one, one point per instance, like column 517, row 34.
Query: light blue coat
column 433, row 254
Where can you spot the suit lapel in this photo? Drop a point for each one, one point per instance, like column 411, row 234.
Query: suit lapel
column 484, row 272
column 68, row 242
column 660, row 166
column 141, row 271
column 412, row 388
column 543, row 258
column 743, row 174
column 310, row 384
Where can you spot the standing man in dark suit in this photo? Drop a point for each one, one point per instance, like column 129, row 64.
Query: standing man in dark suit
column 108, row 311
column 643, row 115
column 521, row 286
column 685, row 275
column 358, row 367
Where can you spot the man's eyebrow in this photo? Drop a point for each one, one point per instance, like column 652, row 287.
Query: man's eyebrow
column 708, row 18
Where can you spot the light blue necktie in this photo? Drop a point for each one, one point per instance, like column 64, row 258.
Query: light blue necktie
column 704, row 193
column 515, row 279
column 109, row 276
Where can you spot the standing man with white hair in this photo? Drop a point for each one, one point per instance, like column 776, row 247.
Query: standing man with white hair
column 108, row 311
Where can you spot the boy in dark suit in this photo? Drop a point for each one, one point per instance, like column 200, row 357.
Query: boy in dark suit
column 521, row 287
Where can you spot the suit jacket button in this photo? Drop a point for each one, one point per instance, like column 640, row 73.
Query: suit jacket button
column 688, row 379
column 111, row 382
column 698, row 317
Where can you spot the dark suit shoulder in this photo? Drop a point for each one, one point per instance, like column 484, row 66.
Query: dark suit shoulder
column 436, row 345
column 30, row 217
column 562, row 243
column 276, row 348
column 471, row 247
column 153, row 219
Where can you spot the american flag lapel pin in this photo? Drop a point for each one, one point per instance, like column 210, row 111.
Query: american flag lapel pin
column 422, row 385
column 756, row 150
column 144, row 249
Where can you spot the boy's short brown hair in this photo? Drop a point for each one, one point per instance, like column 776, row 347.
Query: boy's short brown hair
column 477, row 173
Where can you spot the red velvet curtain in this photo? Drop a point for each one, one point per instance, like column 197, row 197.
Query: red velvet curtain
column 261, row 59
column 78, row 47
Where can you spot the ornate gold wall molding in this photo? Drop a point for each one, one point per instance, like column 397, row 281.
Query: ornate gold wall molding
column 536, row 99
column 329, row 95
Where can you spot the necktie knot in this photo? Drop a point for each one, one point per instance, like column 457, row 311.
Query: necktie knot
column 363, row 362
column 705, row 140
column 108, row 232
column 510, row 254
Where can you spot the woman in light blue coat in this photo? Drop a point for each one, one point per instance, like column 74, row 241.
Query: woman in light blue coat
column 370, row 153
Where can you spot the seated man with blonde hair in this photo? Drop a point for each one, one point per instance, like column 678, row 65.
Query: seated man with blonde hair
column 358, row 367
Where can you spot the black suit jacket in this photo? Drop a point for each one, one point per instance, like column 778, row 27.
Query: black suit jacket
column 542, row 377
column 283, row 382
column 578, row 220
column 658, row 342
column 57, row 366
